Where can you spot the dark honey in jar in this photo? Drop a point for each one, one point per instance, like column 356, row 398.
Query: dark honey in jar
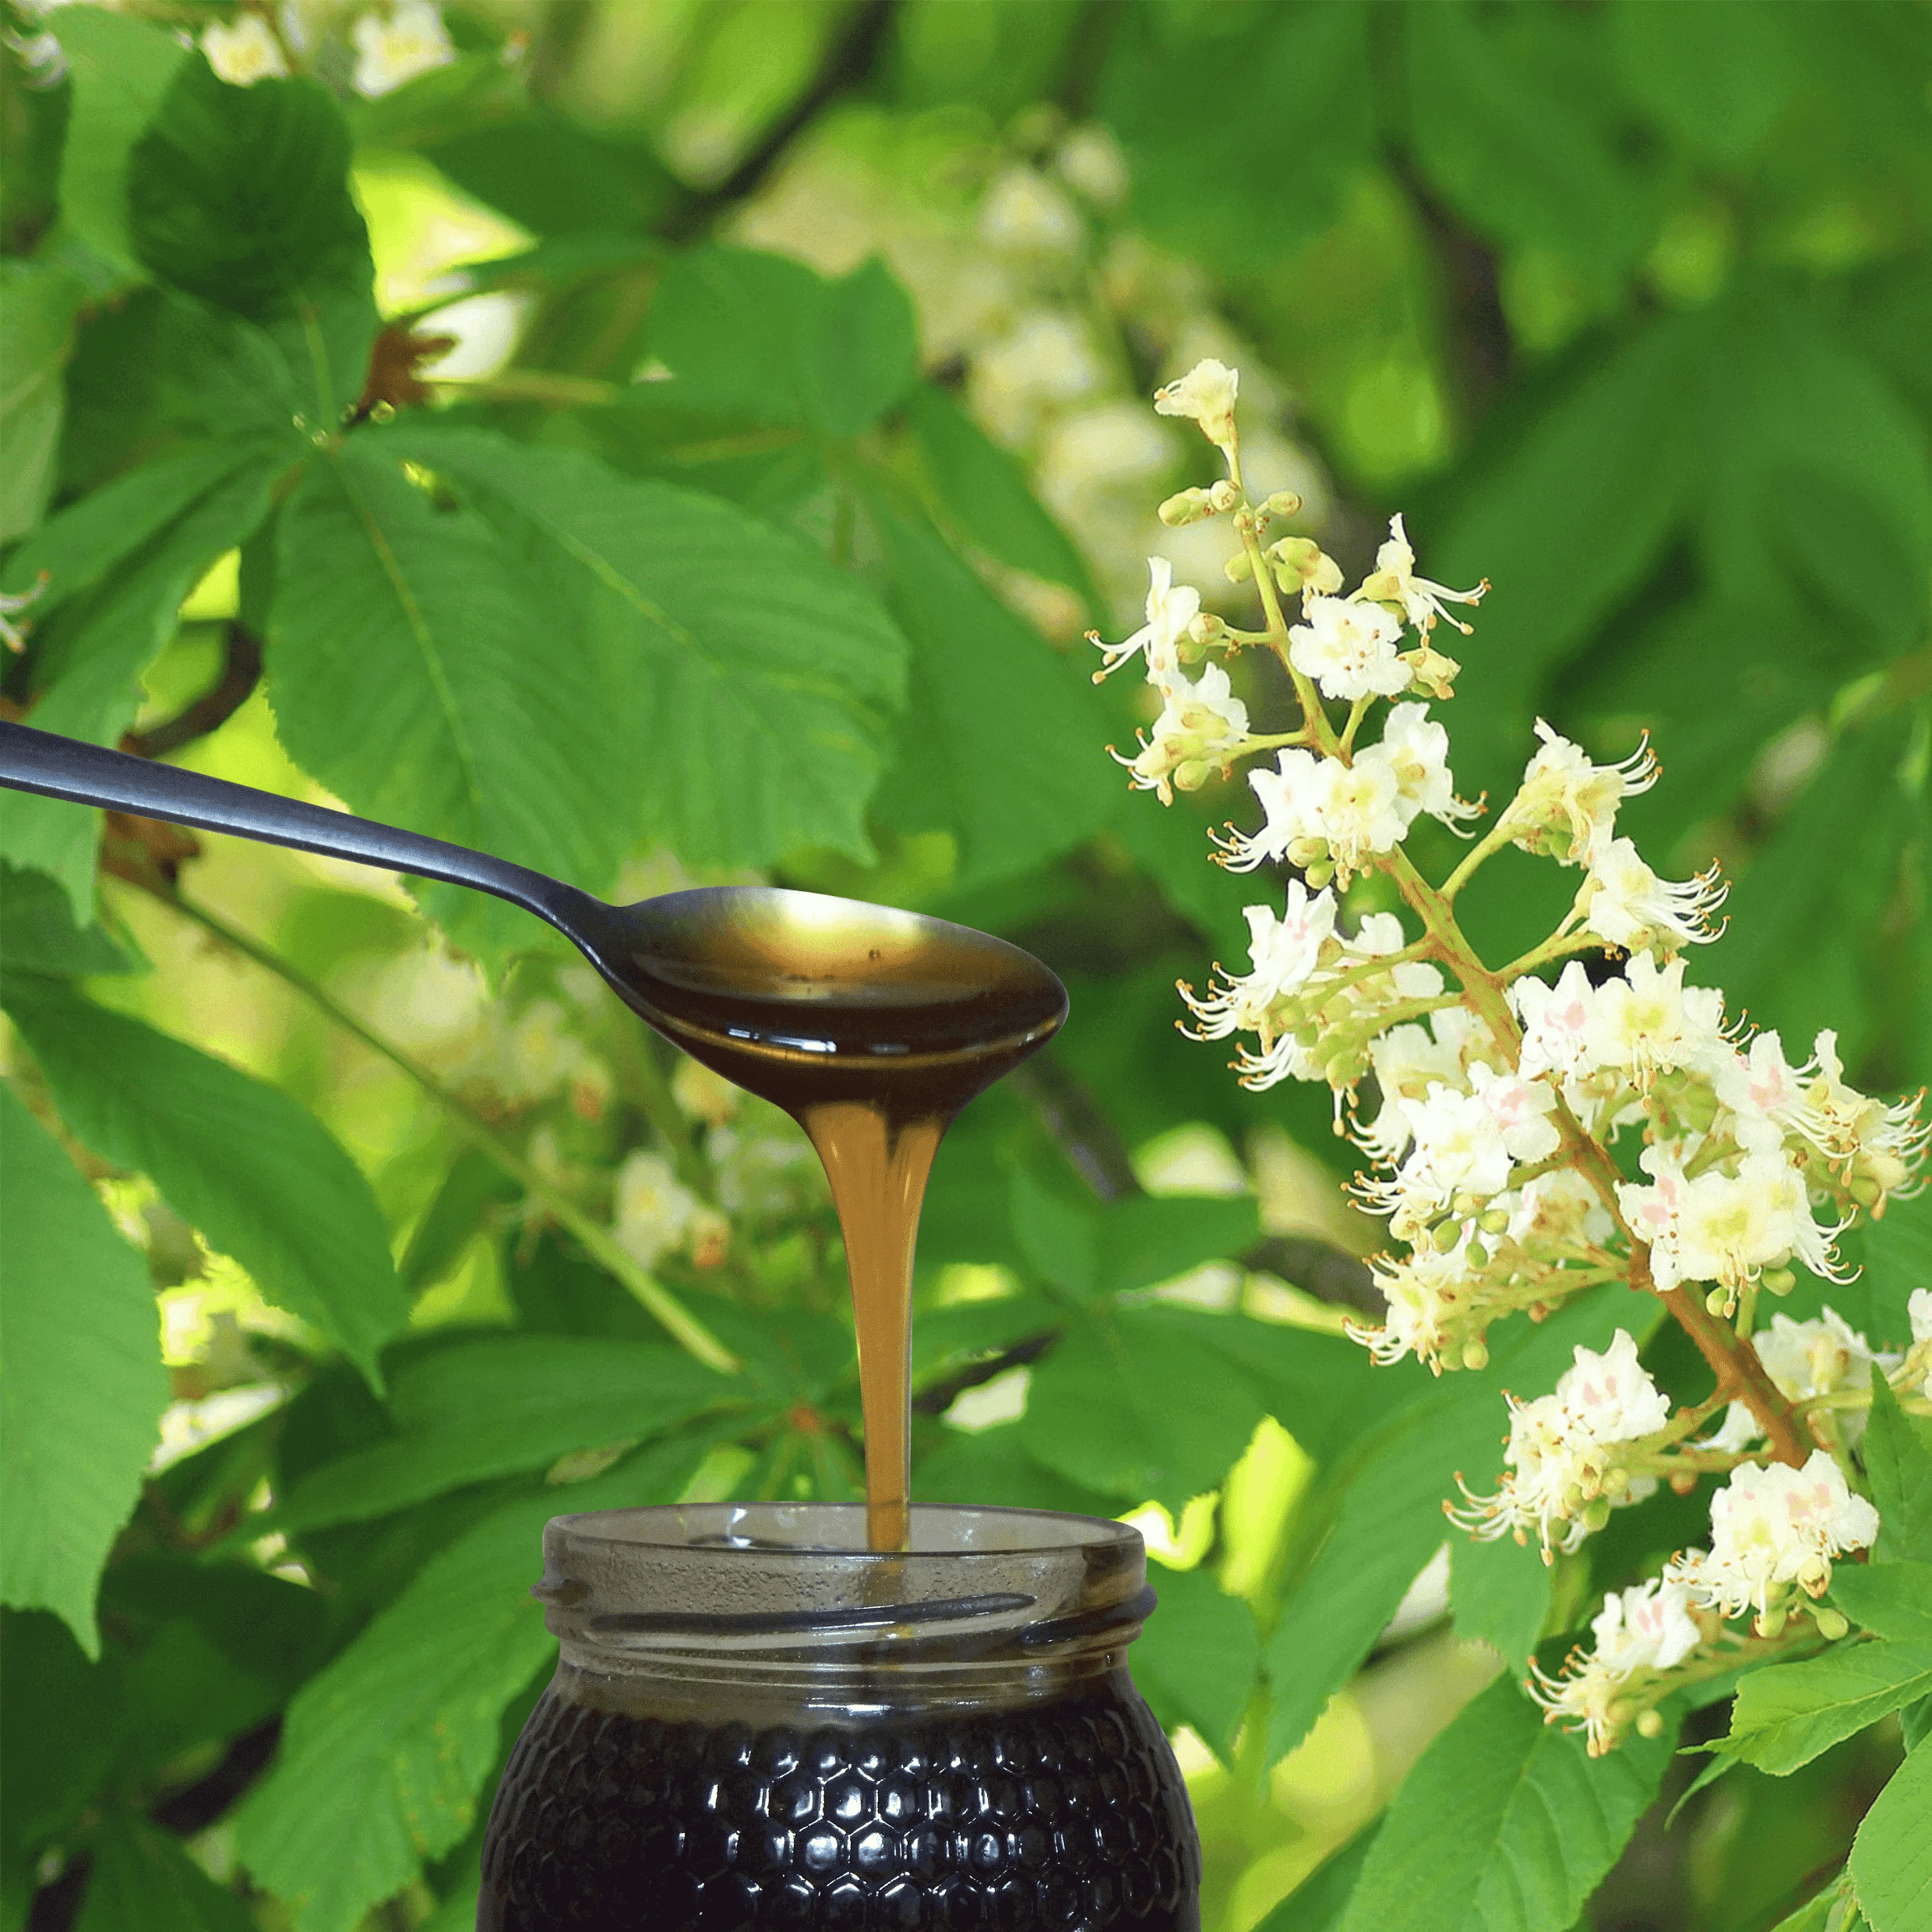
column 755, row 1723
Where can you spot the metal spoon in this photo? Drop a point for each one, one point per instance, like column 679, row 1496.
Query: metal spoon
column 800, row 997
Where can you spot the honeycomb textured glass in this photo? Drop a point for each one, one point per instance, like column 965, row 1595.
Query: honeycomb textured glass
column 1070, row 1814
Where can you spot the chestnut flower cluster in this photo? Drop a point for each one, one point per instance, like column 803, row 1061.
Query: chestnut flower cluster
column 1491, row 1101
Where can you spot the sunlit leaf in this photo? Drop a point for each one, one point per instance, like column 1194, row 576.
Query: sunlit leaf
column 92, row 649
column 413, row 670
column 1386, row 1501
column 143, row 1880
column 1786, row 1714
column 121, row 67
column 36, row 325
column 82, row 1400
column 1891, row 1857
column 1131, row 1403
column 1505, row 1823
column 984, row 493
column 491, row 1408
column 761, row 338
column 1898, row 1451
column 997, row 775
column 38, row 933
column 1197, row 1660
column 752, row 679
column 240, row 195
column 1499, row 1593
column 258, row 1174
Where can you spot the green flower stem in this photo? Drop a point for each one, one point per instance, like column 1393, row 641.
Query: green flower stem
column 1315, row 717
column 678, row 1321
column 1498, row 835
column 1554, row 949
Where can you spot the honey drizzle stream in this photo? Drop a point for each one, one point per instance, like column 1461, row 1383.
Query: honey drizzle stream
column 878, row 1170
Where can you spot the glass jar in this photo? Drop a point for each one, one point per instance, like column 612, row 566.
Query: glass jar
column 754, row 1724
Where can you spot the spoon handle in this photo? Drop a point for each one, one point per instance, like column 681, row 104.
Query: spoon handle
column 58, row 767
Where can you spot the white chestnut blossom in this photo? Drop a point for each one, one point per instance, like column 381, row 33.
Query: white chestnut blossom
column 1171, row 608
column 1650, row 1626
column 1723, row 1228
column 1206, row 393
column 1434, row 1310
column 1407, row 1060
column 1566, row 806
column 395, row 45
column 1395, row 581
column 1558, row 1023
column 1351, row 810
column 1417, row 749
column 1772, row 1528
column 1625, row 903
column 1874, row 1147
column 1349, row 649
column 1197, row 732
column 1283, row 949
column 1562, row 1449
column 1558, row 1215
column 1466, row 1148
column 243, row 51
column 1764, row 1093
column 1646, row 1021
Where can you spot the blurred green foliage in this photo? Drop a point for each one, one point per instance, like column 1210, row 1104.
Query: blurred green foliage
column 800, row 429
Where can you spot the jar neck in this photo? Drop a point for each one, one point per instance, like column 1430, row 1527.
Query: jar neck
column 763, row 1693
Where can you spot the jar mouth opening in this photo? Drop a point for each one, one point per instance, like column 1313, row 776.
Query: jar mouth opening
column 816, row 1530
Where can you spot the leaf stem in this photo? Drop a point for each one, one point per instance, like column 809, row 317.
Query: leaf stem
column 683, row 1326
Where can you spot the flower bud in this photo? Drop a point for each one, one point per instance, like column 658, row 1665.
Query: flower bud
column 1650, row 1725
column 1283, row 503
column 1223, row 495
column 1770, row 1622
column 1865, row 1191
column 1191, row 774
column 1496, row 1221
column 1239, row 567
column 1777, row 1281
column 1319, row 875
column 1832, row 1624
column 1718, row 1301
column 1444, row 1235
column 1187, row 506
column 1207, row 628
column 1475, row 1354
column 1306, row 852
column 1597, row 1513
column 1615, row 1481
column 1432, row 672
column 1299, row 564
